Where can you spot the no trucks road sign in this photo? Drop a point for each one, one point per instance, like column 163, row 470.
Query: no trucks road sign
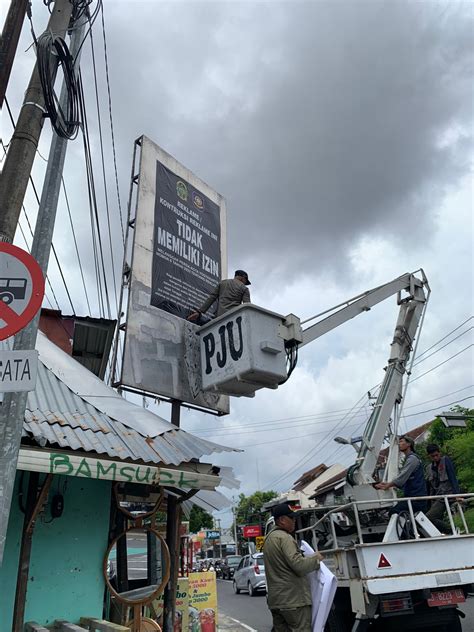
column 21, row 295
column 21, row 289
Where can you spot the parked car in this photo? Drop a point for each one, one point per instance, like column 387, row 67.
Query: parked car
column 250, row 575
column 229, row 564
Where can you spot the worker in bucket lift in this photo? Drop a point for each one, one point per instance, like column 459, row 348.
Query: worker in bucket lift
column 410, row 478
column 441, row 479
column 228, row 294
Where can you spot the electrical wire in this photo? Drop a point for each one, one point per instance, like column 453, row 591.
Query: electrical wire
column 441, row 363
column 109, row 94
column 302, row 436
column 463, row 333
column 75, row 244
column 444, row 337
column 429, row 410
column 38, row 201
column 28, row 250
column 280, row 424
column 312, row 451
column 104, row 178
column 94, row 215
column 53, row 53
column 91, row 18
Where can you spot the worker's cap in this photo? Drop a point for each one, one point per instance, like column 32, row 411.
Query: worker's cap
column 244, row 275
column 409, row 440
column 283, row 509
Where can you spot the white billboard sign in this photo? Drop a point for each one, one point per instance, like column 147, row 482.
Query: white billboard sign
column 179, row 255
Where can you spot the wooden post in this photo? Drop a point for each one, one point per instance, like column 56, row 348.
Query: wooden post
column 34, row 504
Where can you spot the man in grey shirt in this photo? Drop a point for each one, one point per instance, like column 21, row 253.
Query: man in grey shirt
column 410, row 479
column 228, row 294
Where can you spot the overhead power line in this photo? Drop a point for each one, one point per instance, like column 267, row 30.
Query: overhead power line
column 313, row 449
column 444, row 337
column 463, row 333
column 109, row 94
column 38, row 201
column 104, row 177
column 441, row 363
column 297, row 424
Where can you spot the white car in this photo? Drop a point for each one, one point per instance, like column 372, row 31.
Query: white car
column 250, row 575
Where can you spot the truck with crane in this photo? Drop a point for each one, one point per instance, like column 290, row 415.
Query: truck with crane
column 393, row 571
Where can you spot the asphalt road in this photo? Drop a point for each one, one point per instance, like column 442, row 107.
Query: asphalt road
column 253, row 611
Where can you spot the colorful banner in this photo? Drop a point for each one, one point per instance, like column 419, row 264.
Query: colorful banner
column 181, row 622
column 202, row 602
column 259, row 542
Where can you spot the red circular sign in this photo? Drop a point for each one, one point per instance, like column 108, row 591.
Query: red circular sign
column 14, row 293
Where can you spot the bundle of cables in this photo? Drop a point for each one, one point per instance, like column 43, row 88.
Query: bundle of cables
column 52, row 52
column 291, row 350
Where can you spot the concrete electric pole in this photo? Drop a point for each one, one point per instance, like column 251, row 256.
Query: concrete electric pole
column 9, row 42
column 23, row 145
column 12, row 412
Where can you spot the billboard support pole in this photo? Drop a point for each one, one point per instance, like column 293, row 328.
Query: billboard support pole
column 173, row 520
column 114, row 379
column 176, row 412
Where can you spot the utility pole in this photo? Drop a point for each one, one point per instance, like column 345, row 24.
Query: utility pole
column 9, row 42
column 12, row 411
column 234, row 515
column 172, row 538
column 220, row 536
column 23, row 145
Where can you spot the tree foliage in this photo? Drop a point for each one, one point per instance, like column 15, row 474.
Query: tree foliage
column 199, row 519
column 248, row 509
column 458, row 443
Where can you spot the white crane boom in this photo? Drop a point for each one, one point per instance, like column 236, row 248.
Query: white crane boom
column 390, row 395
column 363, row 303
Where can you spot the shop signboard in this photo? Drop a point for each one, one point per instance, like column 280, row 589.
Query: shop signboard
column 202, row 602
column 181, row 622
column 252, row 531
column 259, row 542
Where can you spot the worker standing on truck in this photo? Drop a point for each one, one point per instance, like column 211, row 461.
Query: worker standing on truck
column 441, row 479
column 228, row 293
column 288, row 590
column 410, row 478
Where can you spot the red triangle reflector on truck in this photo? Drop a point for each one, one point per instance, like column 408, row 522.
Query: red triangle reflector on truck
column 383, row 562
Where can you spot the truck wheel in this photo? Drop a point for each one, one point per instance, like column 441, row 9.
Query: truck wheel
column 337, row 622
column 454, row 625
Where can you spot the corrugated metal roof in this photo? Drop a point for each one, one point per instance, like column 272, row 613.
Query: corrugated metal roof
column 57, row 415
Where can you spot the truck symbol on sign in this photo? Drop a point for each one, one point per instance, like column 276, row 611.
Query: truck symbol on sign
column 12, row 289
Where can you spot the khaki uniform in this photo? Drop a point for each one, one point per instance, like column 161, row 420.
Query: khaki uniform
column 288, row 591
column 229, row 293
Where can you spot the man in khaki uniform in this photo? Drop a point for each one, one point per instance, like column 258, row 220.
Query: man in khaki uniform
column 288, row 591
column 228, row 294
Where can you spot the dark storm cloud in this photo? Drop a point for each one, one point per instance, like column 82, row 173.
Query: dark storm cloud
column 319, row 122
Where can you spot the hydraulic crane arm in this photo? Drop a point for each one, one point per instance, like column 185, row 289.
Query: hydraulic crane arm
column 363, row 303
column 390, row 395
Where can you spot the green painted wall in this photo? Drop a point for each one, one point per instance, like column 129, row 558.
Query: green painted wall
column 65, row 578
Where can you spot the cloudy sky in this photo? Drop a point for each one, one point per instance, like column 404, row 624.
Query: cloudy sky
column 340, row 134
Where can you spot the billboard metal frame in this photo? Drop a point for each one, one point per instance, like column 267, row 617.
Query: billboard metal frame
column 212, row 403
